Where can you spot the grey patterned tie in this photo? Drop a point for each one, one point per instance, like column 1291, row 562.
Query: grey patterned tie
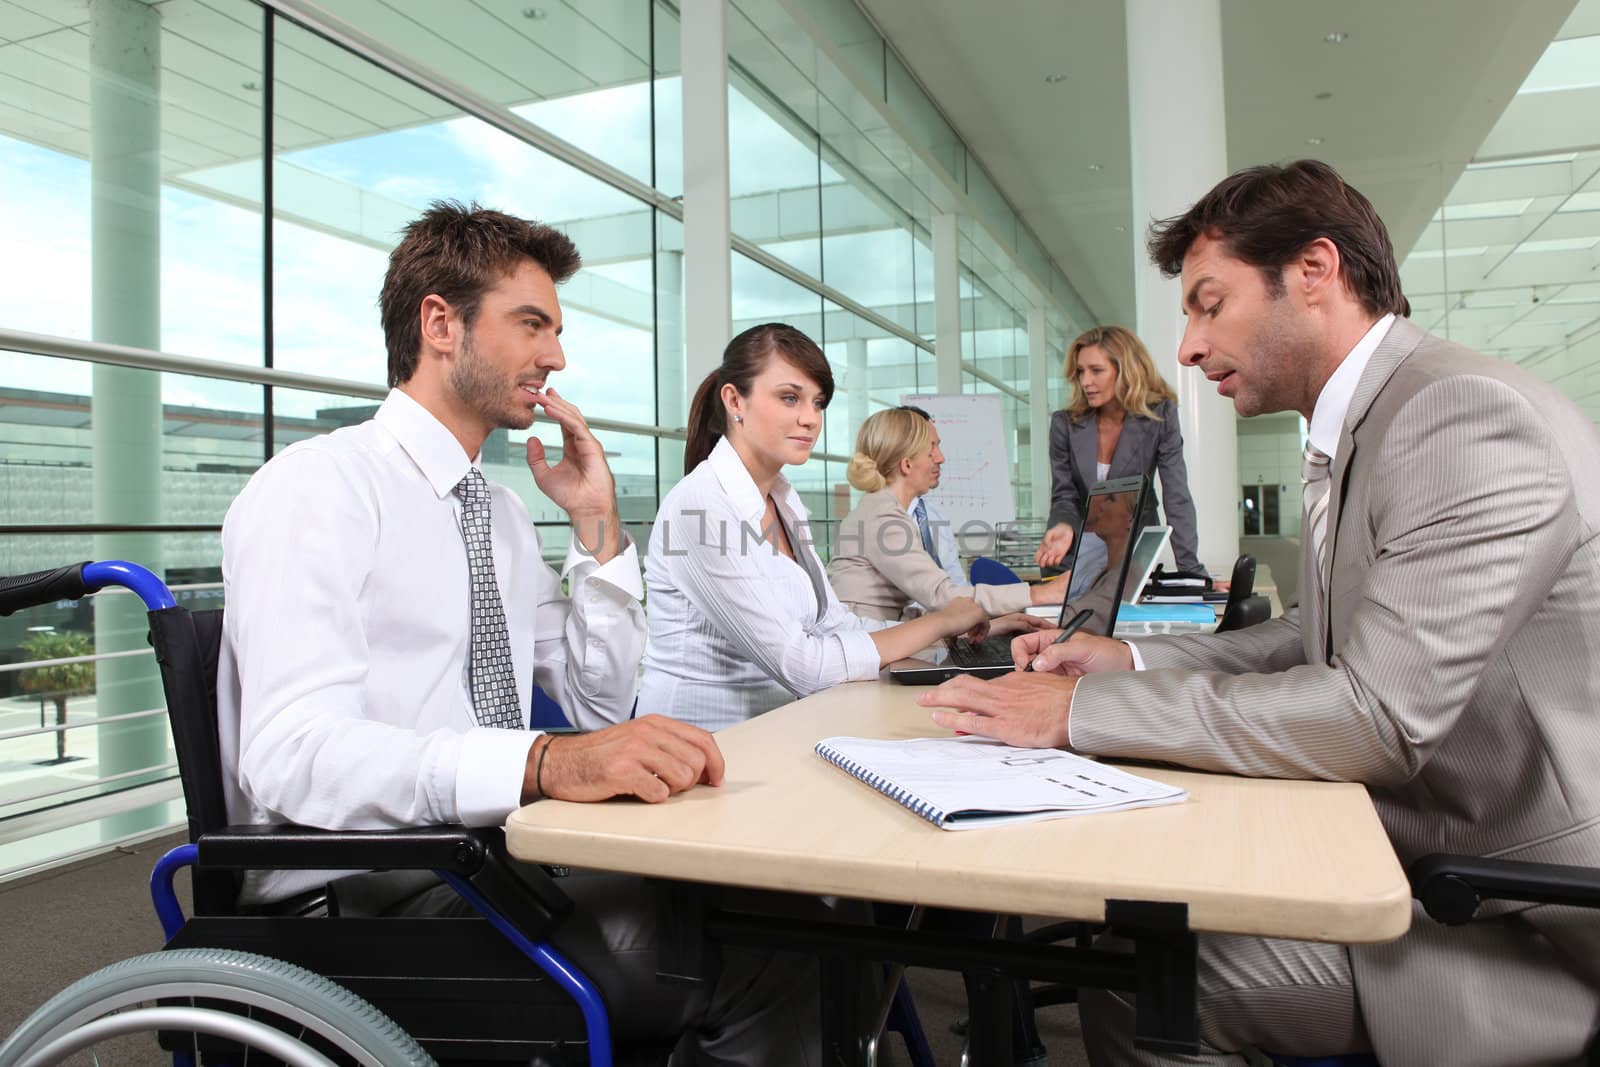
column 1314, row 473
column 494, row 685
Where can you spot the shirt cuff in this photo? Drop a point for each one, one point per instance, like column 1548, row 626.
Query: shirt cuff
column 1138, row 660
column 1073, row 699
column 860, row 655
column 489, row 773
column 620, row 571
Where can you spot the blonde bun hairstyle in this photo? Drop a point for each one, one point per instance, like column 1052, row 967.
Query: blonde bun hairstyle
column 864, row 474
column 884, row 440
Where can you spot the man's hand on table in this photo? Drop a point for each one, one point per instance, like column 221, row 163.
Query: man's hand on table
column 1024, row 709
column 651, row 757
column 1027, row 708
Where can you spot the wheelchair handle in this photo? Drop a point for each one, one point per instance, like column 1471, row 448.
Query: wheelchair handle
column 77, row 579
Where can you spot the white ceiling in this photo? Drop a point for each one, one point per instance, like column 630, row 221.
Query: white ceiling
column 1510, row 263
column 1416, row 87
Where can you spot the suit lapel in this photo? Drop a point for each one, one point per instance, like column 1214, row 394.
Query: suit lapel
column 1127, row 441
column 1396, row 345
column 1085, row 446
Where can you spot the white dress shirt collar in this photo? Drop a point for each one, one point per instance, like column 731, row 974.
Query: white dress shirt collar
column 735, row 479
column 1327, row 418
column 429, row 443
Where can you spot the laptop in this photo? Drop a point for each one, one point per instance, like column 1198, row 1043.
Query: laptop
column 1112, row 515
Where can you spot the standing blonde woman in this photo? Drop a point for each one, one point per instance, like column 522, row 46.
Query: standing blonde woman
column 1122, row 421
column 886, row 555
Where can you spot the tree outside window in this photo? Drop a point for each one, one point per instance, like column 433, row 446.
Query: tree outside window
column 59, row 681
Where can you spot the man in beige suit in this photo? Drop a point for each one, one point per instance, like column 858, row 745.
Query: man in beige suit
column 1443, row 653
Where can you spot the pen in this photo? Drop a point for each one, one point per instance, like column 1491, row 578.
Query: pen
column 1072, row 627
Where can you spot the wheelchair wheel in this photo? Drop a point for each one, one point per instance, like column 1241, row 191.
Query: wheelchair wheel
column 296, row 1009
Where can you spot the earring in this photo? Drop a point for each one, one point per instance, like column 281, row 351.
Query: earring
column 738, row 418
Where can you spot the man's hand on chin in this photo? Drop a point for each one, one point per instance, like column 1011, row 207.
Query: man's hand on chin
column 581, row 484
column 1023, row 708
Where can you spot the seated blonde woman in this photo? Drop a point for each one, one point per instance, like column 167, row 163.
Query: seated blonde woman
column 885, row 557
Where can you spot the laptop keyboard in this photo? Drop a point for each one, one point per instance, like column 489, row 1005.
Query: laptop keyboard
column 990, row 652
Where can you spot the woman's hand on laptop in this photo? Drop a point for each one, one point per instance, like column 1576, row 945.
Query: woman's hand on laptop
column 1078, row 654
column 963, row 616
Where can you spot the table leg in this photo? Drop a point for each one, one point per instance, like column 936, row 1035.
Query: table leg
column 845, row 1016
column 991, row 1006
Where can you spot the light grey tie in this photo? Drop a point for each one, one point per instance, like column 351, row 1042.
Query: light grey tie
column 1314, row 474
column 926, row 531
column 494, row 684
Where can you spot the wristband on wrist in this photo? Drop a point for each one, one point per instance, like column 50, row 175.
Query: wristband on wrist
column 538, row 770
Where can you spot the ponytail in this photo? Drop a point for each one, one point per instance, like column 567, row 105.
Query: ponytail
column 707, row 421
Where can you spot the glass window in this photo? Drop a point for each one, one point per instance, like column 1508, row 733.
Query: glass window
column 174, row 267
column 668, row 101
column 580, row 71
column 873, row 370
column 340, row 206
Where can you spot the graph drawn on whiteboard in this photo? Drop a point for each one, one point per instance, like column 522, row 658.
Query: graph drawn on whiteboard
column 975, row 481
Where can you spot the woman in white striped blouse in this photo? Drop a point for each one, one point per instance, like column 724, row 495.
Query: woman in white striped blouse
column 741, row 616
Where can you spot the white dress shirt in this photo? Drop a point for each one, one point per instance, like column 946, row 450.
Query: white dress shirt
column 1333, row 403
column 736, row 627
column 944, row 539
column 343, row 693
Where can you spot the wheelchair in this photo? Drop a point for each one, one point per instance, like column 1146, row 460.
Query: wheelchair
column 312, row 992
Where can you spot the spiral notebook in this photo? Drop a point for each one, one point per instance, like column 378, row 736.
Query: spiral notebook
column 961, row 783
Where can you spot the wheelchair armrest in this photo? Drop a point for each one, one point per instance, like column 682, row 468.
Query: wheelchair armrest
column 452, row 848
column 526, row 896
column 1451, row 887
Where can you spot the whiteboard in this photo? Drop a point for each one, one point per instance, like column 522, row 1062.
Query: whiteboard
column 975, row 482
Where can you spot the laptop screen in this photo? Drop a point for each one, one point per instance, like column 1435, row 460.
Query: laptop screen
column 1152, row 539
column 1109, row 523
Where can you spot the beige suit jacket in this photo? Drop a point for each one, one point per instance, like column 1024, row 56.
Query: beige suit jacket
column 879, row 566
column 1451, row 668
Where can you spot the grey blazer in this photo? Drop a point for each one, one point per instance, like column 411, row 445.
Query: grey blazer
column 879, row 566
column 1145, row 444
column 1451, row 669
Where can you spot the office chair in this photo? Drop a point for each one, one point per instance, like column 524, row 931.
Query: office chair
column 1451, row 888
column 546, row 713
column 1243, row 608
column 986, row 571
column 467, row 989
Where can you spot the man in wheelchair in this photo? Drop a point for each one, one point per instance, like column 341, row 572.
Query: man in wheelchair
column 389, row 615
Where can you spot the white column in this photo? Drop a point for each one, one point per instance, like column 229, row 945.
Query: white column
column 858, row 387
column 1039, row 369
column 947, row 303
column 1179, row 151
column 125, row 406
column 708, row 294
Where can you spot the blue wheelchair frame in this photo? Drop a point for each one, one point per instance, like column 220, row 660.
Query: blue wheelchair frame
column 74, row 582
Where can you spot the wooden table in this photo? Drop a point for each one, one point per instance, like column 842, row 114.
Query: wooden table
column 1303, row 860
